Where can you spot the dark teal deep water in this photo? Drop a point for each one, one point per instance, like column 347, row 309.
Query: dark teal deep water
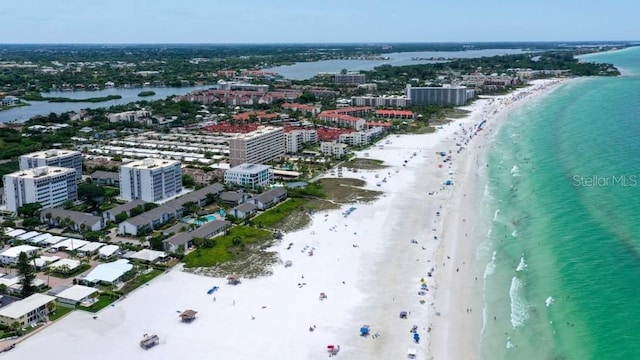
column 563, row 186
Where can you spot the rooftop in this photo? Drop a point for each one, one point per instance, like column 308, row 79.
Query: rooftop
column 53, row 153
column 15, row 251
column 150, row 163
column 77, row 293
column 19, row 308
column 38, row 172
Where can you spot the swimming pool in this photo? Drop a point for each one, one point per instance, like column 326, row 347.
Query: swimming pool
column 200, row 220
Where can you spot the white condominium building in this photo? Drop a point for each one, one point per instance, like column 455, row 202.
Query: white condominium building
column 50, row 186
column 333, row 149
column 250, row 175
column 257, row 147
column 150, row 180
column 54, row 157
column 295, row 139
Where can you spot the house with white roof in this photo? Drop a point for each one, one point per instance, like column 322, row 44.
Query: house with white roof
column 44, row 261
column 53, row 240
column 108, row 273
column 148, row 255
column 108, row 251
column 16, row 232
column 28, row 235
column 70, row 244
column 10, row 256
column 65, row 265
column 76, row 294
column 91, row 248
column 30, row 310
column 36, row 240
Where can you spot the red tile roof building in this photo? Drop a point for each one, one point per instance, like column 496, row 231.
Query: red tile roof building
column 395, row 114
column 308, row 109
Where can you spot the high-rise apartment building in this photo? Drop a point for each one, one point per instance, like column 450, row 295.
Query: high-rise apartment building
column 50, row 186
column 54, row 157
column 150, row 180
column 265, row 144
column 446, row 96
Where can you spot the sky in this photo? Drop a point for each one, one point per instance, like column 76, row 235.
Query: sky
column 323, row 21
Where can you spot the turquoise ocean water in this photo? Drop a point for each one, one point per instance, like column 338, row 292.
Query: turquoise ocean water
column 562, row 251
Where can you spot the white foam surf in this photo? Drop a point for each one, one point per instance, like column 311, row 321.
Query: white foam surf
column 515, row 170
column 522, row 265
column 491, row 266
column 519, row 307
column 549, row 301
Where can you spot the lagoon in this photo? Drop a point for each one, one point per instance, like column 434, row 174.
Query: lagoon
column 307, row 70
column 23, row 113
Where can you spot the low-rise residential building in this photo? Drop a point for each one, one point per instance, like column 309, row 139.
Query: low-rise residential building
column 395, row 114
column 233, row 197
column 107, row 273
column 28, row 311
column 10, row 256
column 306, row 109
column 270, row 198
column 76, row 220
column 110, row 215
column 184, row 240
column 249, row 175
column 76, row 295
column 244, row 211
column 357, row 138
column 334, row 149
column 9, row 101
column 168, row 211
column 106, row 178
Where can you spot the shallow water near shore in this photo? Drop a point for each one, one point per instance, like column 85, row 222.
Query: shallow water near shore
column 562, row 244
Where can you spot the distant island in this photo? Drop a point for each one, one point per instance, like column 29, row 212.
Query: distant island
column 38, row 97
column 146, row 93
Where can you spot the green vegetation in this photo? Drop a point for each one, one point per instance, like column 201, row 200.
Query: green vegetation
column 146, row 93
column 59, row 312
column 365, row 164
column 139, row 281
column 34, row 96
column 228, row 247
column 27, row 274
column 104, row 300
column 345, row 191
column 274, row 216
column 63, row 273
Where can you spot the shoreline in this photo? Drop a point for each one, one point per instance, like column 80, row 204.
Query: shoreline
column 370, row 263
column 460, row 298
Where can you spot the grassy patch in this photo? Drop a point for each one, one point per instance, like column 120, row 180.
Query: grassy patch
column 345, row 190
column 104, row 300
column 139, row 281
column 273, row 216
column 455, row 113
column 225, row 250
column 60, row 312
column 365, row 164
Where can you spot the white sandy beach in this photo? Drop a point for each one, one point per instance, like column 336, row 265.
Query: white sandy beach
column 366, row 264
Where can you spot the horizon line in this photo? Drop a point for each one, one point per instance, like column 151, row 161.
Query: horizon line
column 331, row 43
